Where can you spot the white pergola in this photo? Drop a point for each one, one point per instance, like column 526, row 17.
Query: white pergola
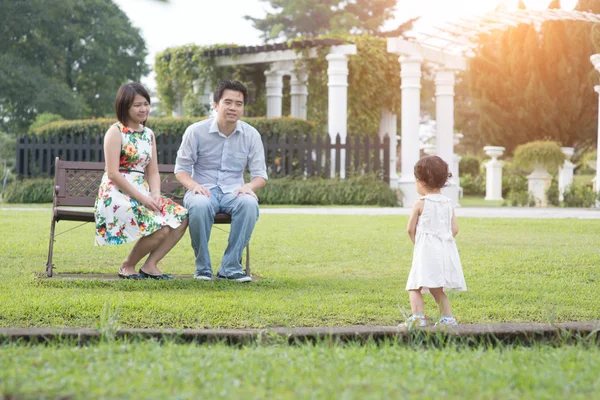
column 448, row 47
column 281, row 59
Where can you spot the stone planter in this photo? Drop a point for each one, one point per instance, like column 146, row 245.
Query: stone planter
column 493, row 173
column 538, row 182
column 565, row 172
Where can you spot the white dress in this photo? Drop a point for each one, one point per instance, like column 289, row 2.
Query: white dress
column 435, row 257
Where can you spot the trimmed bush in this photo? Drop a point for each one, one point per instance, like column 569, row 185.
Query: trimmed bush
column 29, row 191
column 362, row 190
column 552, row 193
column 543, row 152
column 174, row 125
column 44, row 119
column 469, row 165
column 579, row 196
column 473, row 185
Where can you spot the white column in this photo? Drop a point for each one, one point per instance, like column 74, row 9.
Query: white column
column 595, row 59
column 493, row 175
column 337, row 75
column 565, row 172
column 299, row 94
column 207, row 95
column 387, row 126
column 444, row 116
column 455, row 164
column 410, row 73
column 274, row 85
column 597, row 178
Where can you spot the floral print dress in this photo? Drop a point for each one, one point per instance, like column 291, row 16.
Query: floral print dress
column 121, row 219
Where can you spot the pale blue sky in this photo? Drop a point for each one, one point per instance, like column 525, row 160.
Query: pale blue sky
column 205, row 22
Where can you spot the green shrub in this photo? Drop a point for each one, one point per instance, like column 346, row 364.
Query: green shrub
column 542, row 152
column 519, row 198
column 29, row 191
column 362, row 190
column 552, row 193
column 469, row 165
column 473, row 186
column 44, row 119
column 583, row 166
column 174, row 125
column 579, row 196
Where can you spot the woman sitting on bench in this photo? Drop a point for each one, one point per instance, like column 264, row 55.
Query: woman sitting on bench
column 129, row 205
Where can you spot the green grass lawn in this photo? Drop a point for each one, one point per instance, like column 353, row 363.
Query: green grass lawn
column 152, row 371
column 583, row 179
column 315, row 271
column 476, row 201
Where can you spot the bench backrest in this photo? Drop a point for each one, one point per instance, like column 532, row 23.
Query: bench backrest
column 76, row 183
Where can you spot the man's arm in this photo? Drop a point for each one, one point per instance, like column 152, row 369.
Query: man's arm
column 184, row 164
column 257, row 168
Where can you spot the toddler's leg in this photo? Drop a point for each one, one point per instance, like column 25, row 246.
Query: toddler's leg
column 416, row 301
column 442, row 300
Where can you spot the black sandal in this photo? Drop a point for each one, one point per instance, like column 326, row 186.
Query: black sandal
column 132, row 276
column 144, row 275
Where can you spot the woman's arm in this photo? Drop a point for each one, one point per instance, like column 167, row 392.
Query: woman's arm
column 414, row 217
column 152, row 173
column 454, row 224
column 112, row 156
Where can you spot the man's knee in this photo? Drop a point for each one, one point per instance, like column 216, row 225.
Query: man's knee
column 198, row 204
column 247, row 204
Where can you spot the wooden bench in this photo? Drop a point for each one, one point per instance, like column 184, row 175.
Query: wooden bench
column 76, row 185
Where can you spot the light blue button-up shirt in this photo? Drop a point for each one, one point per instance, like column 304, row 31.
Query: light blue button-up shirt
column 213, row 159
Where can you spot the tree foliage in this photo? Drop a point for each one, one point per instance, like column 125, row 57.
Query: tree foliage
column 66, row 57
column 312, row 18
column 530, row 84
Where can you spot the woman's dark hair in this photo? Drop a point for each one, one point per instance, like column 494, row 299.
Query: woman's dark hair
column 125, row 97
column 230, row 85
column 433, row 171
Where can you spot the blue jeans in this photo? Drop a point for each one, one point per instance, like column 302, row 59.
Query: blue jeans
column 244, row 214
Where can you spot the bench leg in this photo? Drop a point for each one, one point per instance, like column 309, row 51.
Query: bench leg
column 248, row 260
column 49, row 264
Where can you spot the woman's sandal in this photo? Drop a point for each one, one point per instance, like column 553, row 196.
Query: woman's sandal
column 144, row 275
column 132, row 276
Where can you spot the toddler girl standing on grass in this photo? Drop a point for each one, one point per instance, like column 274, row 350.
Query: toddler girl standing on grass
column 431, row 227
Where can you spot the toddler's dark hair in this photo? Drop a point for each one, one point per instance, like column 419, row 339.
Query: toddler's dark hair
column 433, row 171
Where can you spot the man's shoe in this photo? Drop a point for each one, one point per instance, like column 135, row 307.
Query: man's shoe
column 203, row 276
column 239, row 277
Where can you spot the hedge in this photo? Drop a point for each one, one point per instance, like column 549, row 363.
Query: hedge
column 362, row 190
column 174, row 125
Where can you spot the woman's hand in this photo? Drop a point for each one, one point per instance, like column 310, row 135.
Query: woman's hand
column 152, row 203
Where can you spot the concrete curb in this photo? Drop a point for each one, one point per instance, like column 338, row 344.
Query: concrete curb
column 522, row 333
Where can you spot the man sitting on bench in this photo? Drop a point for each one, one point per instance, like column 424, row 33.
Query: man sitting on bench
column 210, row 165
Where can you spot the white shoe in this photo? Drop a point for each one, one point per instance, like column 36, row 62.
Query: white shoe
column 414, row 321
column 447, row 321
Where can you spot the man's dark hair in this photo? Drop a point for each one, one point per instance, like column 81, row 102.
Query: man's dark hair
column 433, row 171
column 125, row 97
column 230, row 85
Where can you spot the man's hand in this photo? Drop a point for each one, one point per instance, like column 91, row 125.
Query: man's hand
column 246, row 189
column 199, row 189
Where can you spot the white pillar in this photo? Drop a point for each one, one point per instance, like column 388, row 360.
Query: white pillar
column 337, row 75
column 299, row 94
column 456, row 163
column 410, row 73
column 444, row 116
column 274, row 86
column 565, row 172
column 387, row 126
column 597, row 178
column 595, row 59
column 493, row 175
column 207, row 95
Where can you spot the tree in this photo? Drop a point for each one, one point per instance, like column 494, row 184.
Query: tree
column 66, row 57
column 592, row 6
column 554, row 4
column 311, row 18
column 530, row 85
